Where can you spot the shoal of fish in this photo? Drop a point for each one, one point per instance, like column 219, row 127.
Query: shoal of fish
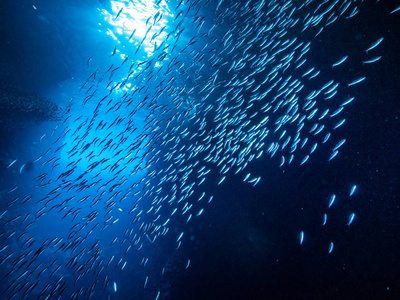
column 230, row 83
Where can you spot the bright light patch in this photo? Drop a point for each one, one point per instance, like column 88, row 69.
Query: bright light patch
column 110, row 33
column 145, row 19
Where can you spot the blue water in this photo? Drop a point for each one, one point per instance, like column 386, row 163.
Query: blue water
column 114, row 230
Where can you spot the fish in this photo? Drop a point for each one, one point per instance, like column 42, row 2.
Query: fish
column 333, row 155
column 327, row 136
column 395, row 10
column 119, row 12
column 21, row 169
column 304, row 160
column 351, row 219
column 356, row 81
column 332, row 200
column 353, row 190
column 340, row 61
column 330, row 248
column 188, row 264
column 370, row 61
column 13, row 189
column 340, row 123
column 325, row 218
column 336, row 112
column 339, row 144
column 88, row 64
column 113, row 53
column 348, row 101
column 374, row 44
column 12, row 163
column 188, row 103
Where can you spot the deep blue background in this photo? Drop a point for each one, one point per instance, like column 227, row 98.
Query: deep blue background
column 246, row 243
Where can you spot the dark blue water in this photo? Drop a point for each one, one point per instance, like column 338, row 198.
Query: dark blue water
column 108, row 231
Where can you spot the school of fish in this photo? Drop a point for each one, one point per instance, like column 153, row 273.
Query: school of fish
column 221, row 85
